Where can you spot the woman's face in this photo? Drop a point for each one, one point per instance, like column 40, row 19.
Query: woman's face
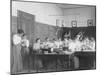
column 65, row 39
column 92, row 39
column 78, row 37
column 38, row 41
column 48, row 39
column 59, row 39
column 21, row 34
column 24, row 37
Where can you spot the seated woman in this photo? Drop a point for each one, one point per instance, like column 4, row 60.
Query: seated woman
column 37, row 46
column 78, row 42
column 57, row 45
column 92, row 44
column 66, row 44
column 47, row 45
column 37, row 49
column 60, row 43
column 88, row 44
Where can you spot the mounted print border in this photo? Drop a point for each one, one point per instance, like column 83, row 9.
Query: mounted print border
column 52, row 37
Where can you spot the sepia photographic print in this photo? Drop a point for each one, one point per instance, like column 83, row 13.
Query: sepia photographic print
column 52, row 37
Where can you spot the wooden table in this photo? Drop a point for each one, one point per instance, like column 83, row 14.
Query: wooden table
column 55, row 59
column 86, row 60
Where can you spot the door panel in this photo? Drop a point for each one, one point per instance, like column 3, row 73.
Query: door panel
column 26, row 22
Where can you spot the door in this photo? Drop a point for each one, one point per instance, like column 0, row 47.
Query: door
column 26, row 22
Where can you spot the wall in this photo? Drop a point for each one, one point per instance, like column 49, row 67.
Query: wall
column 45, row 13
column 45, row 18
column 14, row 24
column 48, row 13
column 43, row 30
column 79, row 14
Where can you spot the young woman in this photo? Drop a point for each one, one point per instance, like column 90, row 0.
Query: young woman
column 25, row 52
column 37, row 48
column 17, row 59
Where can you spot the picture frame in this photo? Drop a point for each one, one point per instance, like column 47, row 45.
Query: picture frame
column 46, row 28
column 90, row 22
column 74, row 23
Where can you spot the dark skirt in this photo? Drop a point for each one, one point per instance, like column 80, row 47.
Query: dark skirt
column 17, row 59
column 25, row 57
column 37, row 60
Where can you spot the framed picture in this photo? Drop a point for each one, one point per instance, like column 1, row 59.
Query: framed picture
column 74, row 23
column 38, row 30
column 90, row 22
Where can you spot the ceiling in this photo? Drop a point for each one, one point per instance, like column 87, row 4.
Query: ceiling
column 69, row 6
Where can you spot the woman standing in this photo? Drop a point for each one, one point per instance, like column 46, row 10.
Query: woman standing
column 17, row 59
column 25, row 52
